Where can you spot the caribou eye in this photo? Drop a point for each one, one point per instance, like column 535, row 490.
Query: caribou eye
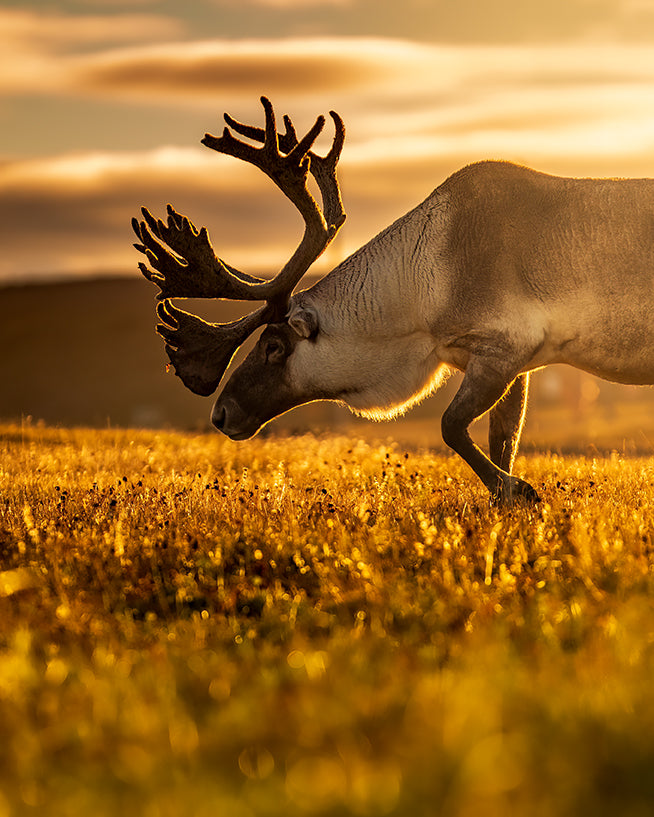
column 274, row 351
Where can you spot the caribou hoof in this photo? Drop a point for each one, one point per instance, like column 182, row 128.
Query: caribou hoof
column 514, row 489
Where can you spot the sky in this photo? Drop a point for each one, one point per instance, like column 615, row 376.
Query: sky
column 103, row 104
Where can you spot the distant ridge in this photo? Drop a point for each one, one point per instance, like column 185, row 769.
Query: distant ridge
column 85, row 352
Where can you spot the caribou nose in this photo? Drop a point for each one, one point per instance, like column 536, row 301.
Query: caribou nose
column 219, row 417
column 228, row 418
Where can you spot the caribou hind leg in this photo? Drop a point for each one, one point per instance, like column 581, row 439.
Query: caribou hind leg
column 506, row 419
column 485, row 382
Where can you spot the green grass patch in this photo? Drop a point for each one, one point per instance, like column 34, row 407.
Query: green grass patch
column 308, row 626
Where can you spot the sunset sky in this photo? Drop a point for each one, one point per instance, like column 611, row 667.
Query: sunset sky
column 103, row 105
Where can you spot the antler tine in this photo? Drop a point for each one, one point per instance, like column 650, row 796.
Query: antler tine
column 324, row 171
column 200, row 352
column 191, row 249
column 289, row 171
column 286, row 141
column 322, row 168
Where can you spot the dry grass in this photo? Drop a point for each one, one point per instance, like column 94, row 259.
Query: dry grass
column 319, row 626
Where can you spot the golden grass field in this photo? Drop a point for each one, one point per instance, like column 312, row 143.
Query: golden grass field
column 319, row 626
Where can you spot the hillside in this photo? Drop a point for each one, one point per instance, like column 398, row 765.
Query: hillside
column 86, row 353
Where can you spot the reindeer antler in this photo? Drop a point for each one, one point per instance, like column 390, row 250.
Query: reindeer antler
column 184, row 264
column 322, row 168
column 200, row 352
column 193, row 270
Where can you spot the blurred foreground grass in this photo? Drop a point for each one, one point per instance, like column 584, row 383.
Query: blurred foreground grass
column 319, row 627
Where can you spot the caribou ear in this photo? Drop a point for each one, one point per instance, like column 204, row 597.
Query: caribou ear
column 303, row 320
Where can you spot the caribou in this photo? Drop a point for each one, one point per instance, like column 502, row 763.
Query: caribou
column 500, row 271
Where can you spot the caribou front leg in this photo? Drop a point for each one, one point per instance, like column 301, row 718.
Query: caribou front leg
column 506, row 420
column 484, row 383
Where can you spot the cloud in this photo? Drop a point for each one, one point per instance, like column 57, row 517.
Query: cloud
column 376, row 71
column 444, row 21
column 64, row 30
column 287, row 4
column 401, row 98
column 359, row 73
column 71, row 214
column 414, row 114
column 215, row 68
column 33, row 46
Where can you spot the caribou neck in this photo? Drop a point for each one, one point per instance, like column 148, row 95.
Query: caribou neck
column 390, row 284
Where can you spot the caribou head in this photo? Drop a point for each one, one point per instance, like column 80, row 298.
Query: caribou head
column 184, row 265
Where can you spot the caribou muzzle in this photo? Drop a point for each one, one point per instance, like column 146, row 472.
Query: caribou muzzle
column 227, row 417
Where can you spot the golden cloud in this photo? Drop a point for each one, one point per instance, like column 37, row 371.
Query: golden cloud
column 33, row 45
column 287, row 4
column 221, row 68
column 399, row 97
column 71, row 214
column 54, row 31
column 414, row 113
